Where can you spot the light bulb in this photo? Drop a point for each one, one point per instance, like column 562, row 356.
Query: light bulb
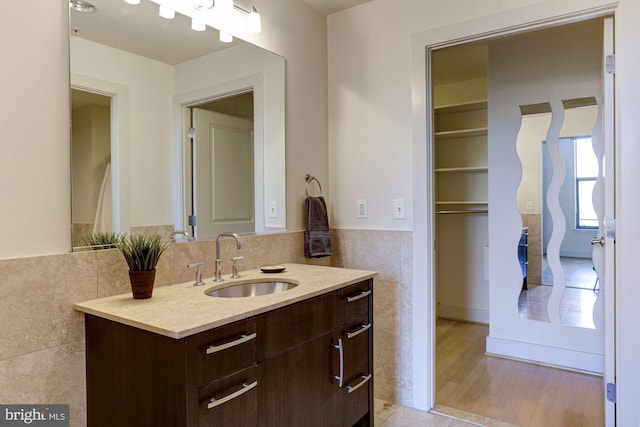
column 224, row 6
column 132, row 1
column 225, row 37
column 197, row 25
column 166, row 12
column 203, row 4
column 253, row 21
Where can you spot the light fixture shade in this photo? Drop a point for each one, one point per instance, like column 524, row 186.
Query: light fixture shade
column 225, row 37
column 198, row 25
column 254, row 24
column 132, row 1
column 166, row 12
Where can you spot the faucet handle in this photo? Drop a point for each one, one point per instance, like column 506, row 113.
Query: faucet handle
column 234, row 273
column 198, row 266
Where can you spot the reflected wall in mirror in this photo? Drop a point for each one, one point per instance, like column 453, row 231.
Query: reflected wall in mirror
column 146, row 65
column 568, row 170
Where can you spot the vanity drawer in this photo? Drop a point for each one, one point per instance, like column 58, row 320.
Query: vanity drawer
column 232, row 401
column 284, row 328
column 356, row 300
column 356, row 395
column 222, row 351
column 356, row 351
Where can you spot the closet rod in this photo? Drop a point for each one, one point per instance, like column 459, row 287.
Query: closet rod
column 471, row 211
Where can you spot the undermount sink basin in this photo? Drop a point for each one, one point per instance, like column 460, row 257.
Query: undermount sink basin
column 252, row 289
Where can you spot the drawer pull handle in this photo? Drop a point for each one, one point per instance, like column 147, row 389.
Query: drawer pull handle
column 358, row 331
column 213, row 402
column 364, row 380
column 340, row 376
column 359, row 296
column 242, row 339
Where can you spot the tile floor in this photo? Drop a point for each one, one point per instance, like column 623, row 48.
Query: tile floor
column 389, row 414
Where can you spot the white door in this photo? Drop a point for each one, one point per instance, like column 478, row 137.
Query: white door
column 223, row 176
column 604, row 244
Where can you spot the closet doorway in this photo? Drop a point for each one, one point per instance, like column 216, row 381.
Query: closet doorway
column 472, row 149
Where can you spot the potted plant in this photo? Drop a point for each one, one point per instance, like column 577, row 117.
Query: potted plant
column 142, row 253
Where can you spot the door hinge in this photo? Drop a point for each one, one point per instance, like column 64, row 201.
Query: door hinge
column 191, row 133
column 193, row 220
column 610, row 64
column 611, row 392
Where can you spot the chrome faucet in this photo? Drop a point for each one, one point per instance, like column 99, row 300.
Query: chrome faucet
column 219, row 258
column 182, row 232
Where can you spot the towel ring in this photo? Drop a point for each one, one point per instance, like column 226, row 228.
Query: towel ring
column 308, row 178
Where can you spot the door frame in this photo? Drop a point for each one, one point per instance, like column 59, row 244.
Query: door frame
column 119, row 123
column 538, row 16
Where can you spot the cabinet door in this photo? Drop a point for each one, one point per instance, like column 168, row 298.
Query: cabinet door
column 297, row 386
column 292, row 325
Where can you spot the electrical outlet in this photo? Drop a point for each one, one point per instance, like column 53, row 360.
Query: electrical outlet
column 529, row 205
column 362, row 208
column 398, row 209
column 273, row 211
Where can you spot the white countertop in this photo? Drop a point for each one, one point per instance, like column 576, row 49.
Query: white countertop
column 181, row 310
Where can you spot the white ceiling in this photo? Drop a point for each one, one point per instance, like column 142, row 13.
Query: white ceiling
column 332, row 6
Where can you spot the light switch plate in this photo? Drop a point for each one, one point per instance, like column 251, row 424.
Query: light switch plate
column 398, row 209
column 362, row 208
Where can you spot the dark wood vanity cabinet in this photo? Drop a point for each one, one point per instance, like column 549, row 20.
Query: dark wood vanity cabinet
column 305, row 364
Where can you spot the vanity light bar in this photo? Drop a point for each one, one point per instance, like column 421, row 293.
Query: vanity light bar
column 222, row 15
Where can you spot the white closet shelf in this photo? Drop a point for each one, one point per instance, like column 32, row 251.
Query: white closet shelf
column 463, row 169
column 461, row 133
column 463, row 106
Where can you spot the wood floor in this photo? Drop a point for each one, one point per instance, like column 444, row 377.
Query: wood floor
column 514, row 392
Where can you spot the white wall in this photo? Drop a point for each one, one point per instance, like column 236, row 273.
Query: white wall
column 293, row 30
column 373, row 94
column 34, row 152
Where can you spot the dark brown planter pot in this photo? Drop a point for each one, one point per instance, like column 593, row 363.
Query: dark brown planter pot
column 142, row 283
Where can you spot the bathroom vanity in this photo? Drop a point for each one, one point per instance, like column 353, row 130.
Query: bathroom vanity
column 301, row 357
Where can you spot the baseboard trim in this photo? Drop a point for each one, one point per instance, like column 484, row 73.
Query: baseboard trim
column 588, row 363
column 463, row 313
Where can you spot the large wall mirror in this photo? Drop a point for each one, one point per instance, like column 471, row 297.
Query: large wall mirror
column 137, row 80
